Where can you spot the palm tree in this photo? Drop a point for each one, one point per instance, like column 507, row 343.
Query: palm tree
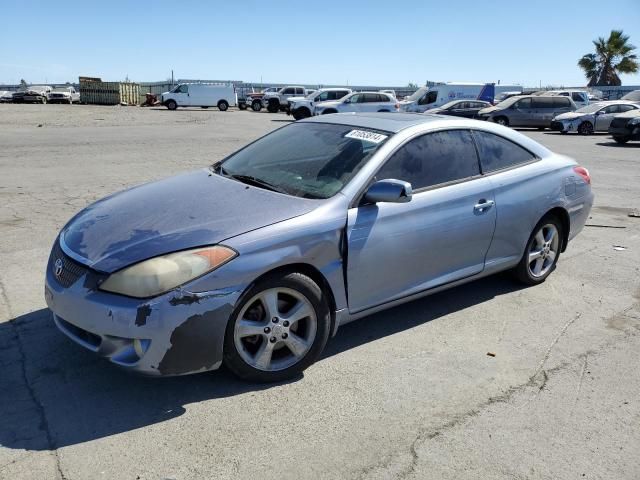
column 613, row 55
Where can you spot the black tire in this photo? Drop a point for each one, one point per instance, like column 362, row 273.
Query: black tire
column 204, row 107
column 585, row 128
column 522, row 271
column 300, row 113
column 273, row 106
column 242, row 106
column 171, row 105
column 256, row 105
column 316, row 297
column 382, row 111
column 328, row 111
column 223, row 105
column 621, row 140
column 502, row 121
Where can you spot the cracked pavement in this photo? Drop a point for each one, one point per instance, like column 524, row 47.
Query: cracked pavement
column 409, row 393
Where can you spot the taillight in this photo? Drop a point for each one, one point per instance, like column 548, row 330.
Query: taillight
column 584, row 173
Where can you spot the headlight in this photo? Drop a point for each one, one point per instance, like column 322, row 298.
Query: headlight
column 634, row 121
column 160, row 274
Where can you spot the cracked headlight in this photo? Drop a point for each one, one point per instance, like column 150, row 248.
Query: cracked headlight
column 161, row 274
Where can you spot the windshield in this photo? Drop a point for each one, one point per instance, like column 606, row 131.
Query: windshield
column 593, row 107
column 417, row 94
column 309, row 160
column 510, row 101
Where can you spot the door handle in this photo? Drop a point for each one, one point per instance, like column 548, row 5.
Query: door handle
column 483, row 205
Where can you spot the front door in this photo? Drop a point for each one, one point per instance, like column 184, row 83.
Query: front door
column 441, row 235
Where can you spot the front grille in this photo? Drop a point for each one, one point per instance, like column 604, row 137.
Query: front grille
column 619, row 122
column 71, row 270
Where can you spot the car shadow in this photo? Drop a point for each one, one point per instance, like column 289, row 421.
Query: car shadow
column 53, row 393
column 615, row 144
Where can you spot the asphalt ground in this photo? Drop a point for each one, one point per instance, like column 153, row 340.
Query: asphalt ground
column 407, row 393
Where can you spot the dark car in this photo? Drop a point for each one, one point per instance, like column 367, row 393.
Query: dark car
column 625, row 126
column 528, row 111
column 461, row 108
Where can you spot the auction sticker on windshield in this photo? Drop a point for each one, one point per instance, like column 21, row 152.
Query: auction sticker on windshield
column 366, row 136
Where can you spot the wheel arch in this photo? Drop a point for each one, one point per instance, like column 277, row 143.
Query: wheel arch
column 327, row 111
column 314, row 274
column 564, row 218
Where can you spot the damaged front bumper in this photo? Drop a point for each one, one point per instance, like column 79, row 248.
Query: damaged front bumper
column 176, row 333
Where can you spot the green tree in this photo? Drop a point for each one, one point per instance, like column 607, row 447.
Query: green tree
column 612, row 56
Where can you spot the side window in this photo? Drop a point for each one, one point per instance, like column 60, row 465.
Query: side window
column 323, row 96
column 523, row 104
column 370, row 97
column 288, row 91
column 577, row 97
column 356, row 98
column 497, row 152
column 433, row 159
column 182, row 89
column 383, row 98
column 341, row 93
column 625, row 108
column 565, row 94
column 542, row 102
column 561, row 102
column 611, row 109
column 299, row 91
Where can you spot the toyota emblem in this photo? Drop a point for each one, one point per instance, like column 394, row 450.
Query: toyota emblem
column 57, row 267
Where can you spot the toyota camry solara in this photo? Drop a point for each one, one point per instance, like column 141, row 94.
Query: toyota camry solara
column 257, row 260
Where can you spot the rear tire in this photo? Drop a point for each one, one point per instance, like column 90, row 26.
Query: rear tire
column 585, row 128
column 542, row 251
column 621, row 140
column 223, row 105
column 262, row 348
column 172, row 105
column 273, row 106
column 256, row 105
column 504, row 121
column 383, row 111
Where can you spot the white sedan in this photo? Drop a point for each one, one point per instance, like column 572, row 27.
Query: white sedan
column 595, row 117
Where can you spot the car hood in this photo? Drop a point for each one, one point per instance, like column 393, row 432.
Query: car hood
column 571, row 115
column 331, row 103
column 186, row 211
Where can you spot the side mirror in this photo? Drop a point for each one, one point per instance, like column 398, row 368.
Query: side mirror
column 389, row 191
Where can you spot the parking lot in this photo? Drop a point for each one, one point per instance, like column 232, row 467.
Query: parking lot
column 487, row 380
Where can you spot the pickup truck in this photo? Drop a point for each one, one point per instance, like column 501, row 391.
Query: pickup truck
column 64, row 95
column 279, row 101
column 303, row 107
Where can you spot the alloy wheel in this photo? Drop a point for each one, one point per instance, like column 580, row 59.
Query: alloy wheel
column 275, row 329
column 543, row 250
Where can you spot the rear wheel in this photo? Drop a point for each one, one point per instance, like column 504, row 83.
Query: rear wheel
column 542, row 252
column 172, row 105
column 621, row 140
column 273, row 106
column 256, row 105
column 278, row 329
column 383, row 111
column 223, row 105
column 502, row 121
column 585, row 128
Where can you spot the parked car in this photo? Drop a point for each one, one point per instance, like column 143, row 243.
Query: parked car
column 504, row 95
column 279, row 101
column 256, row 261
column 18, row 97
column 6, row 96
column 36, row 94
column 461, row 108
column 579, row 97
column 633, row 96
column 302, row 107
column 64, row 95
column 359, row 102
column 528, row 111
column 254, row 100
column 200, row 95
column 625, row 126
column 595, row 117
column 426, row 98
column 390, row 92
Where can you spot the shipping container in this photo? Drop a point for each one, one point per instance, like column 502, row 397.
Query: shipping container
column 95, row 91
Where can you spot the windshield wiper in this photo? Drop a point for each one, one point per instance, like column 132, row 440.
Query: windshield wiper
column 257, row 182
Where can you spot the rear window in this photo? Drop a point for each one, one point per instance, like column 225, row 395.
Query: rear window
column 497, row 153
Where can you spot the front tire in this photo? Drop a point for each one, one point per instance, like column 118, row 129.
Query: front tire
column 223, row 105
column 273, row 106
column 585, row 128
column 621, row 140
column 542, row 252
column 256, row 105
column 172, row 105
column 300, row 113
column 504, row 121
column 278, row 329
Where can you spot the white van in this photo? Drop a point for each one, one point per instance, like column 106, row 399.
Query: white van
column 200, row 95
column 426, row 98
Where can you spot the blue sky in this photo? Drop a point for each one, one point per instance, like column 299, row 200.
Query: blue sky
column 328, row 42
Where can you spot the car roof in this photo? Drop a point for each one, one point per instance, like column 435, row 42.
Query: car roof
column 389, row 122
